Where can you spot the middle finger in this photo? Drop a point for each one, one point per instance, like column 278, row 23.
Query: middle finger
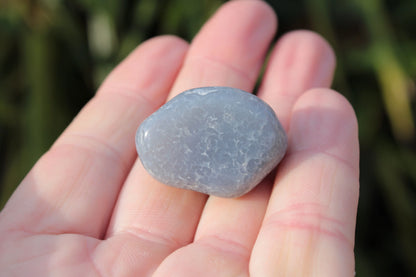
column 228, row 51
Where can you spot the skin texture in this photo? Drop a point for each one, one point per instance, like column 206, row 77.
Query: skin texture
column 88, row 208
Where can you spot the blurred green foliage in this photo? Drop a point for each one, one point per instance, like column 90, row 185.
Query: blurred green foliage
column 55, row 53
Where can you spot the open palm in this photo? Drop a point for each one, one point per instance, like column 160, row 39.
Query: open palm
column 88, row 208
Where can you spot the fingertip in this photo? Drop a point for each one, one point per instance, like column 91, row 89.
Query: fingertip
column 301, row 60
column 149, row 70
column 153, row 48
column 327, row 98
column 324, row 120
column 165, row 46
column 261, row 7
column 250, row 21
column 166, row 42
column 229, row 49
column 313, row 40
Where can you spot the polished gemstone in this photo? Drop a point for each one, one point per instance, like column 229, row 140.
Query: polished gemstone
column 216, row 140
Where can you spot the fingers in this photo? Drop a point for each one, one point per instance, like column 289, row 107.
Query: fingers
column 150, row 211
column 228, row 227
column 308, row 229
column 300, row 61
column 224, row 239
column 73, row 187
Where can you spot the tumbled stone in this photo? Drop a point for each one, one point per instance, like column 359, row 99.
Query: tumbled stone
column 216, row 140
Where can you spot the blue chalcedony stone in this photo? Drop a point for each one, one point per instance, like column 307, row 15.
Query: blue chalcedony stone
column 216, row 140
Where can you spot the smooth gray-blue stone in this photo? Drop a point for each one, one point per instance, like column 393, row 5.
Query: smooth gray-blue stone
column 216, row 140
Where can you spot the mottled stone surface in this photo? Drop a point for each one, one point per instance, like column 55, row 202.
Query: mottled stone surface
column 216, row 140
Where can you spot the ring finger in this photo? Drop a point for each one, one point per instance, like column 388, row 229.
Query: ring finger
column 228, row 227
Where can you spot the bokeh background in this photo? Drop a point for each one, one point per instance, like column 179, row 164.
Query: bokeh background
column 55, row 53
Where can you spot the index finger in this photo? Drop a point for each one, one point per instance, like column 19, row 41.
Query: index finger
column 73, row 187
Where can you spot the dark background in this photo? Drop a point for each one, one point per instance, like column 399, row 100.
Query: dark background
column 54, row 54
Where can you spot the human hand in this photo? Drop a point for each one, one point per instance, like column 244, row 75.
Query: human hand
column 88, row 208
